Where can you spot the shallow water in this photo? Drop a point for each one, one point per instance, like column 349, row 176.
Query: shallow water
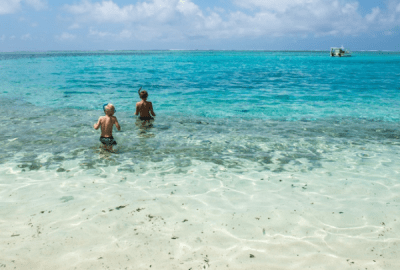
column 226, row 190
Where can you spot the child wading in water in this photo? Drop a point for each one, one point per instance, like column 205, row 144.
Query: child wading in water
column 144, row 107
column 106, row 122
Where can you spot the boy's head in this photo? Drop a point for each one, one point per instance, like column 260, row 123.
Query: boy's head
column 109, row 109
column 143, row 94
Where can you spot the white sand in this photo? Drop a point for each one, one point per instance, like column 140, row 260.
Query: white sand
column 207, row 218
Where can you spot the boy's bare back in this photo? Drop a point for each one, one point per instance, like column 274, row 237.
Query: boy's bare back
column 106, row 123
column 144, row 108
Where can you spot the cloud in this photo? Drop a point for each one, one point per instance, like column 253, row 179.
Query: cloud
column 373, row 15
column 183, row 20
column 3, row 37
column 145, row 20
column 9, row 6
column 124, row 34
column 273, row 5
column 108, row 11
column 65, row 36
column 26, row 37
column 13, row 6
column 96, row 33
column 37, row 4
column 74, row 26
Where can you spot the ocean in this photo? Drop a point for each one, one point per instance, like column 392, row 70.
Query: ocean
column 256, row 160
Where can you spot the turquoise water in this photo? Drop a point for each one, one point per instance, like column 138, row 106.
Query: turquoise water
column 235, row 98
column 263, row 85
column 308, row 141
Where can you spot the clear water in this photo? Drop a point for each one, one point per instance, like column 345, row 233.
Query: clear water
column 263, row 85
column 274, row 154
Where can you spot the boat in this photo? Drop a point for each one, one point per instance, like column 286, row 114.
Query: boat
column 340, row 52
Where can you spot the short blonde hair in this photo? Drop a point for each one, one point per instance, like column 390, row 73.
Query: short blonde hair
column 109, row 107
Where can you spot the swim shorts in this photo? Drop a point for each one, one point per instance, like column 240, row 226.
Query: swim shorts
column 108, row 141
column 146, row 118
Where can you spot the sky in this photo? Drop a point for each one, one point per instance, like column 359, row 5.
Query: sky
column 43, row 25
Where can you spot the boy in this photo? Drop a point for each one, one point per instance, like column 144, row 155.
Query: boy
column 144, row 107
column 106, row 122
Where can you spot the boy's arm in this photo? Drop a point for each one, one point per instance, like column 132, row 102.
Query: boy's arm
column 151, row 109
column 137, row 109
column 117, row 124
column 97, row 125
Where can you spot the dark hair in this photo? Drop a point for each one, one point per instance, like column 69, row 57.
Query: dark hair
column 143, row 94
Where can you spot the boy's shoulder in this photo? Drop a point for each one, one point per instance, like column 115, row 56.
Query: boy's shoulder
column 113, row 118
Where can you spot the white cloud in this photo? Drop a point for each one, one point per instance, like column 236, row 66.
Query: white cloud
column 273, row 5
column 26, row 37
column 373, row 15
column 66, row 36
column 350, row 8
column 12, row 37
column 37, row 4
column 96, row 33
column 9, row 6
column 104, row 11
column 125, row 34
column 74, row 26
column 179, row 20
column 108, row 11
column 13, row 6
column 3, row 37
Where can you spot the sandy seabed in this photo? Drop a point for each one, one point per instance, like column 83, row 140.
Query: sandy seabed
column 206, row 218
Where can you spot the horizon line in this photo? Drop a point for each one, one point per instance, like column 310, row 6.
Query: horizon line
column 137, row 50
